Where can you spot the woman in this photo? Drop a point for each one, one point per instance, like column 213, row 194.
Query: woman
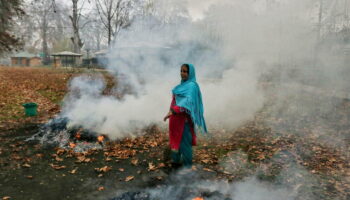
column 186, row 112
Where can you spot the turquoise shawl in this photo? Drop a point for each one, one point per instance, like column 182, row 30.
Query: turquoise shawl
column 188, row 95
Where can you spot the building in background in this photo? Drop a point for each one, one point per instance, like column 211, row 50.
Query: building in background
column 67, row 59
column 25, row 59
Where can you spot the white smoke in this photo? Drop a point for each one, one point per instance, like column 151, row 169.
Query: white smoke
column 231, row 46
column 293, row 183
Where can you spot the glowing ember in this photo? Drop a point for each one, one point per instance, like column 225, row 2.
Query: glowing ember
column 78, row 136
column 72, row 145
column 198, row 198
column 100, row 138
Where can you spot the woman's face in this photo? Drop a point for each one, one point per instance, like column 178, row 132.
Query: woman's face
column 184, row 72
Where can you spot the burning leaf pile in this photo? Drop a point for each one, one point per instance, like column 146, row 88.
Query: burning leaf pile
column 57, row 133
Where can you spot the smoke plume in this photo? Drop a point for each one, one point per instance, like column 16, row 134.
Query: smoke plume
column 237, row 48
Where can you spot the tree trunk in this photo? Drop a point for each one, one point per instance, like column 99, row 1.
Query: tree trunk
column 109, row 32
column 77, row 43
column 320, row 13
column 45, row 49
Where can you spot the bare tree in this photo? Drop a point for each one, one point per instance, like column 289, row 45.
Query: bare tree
column 93, row 34
column 114, row 15
column 8, row 10
column 42, row 12
column 45, row 26
column 75, row 17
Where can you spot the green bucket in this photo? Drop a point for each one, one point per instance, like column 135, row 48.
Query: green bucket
column 30, row 109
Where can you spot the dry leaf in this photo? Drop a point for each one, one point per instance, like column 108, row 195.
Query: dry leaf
column 73, row 171
column 80, row 159
column 26, row 165
column 59, row 159
column 121, row 169
column 261, row 157
column 57, row 166
column 100, row 188
column 129, row 178
column 103, row 169
column 160, row 165
column 151, row 167
column 134, row 161
column 60, row 151
column 16, row 157
column 206, row 161
column 39, row 155
column 6, row 198
column 208, row 170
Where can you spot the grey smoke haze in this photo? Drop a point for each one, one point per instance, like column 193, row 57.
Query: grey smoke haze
column 236, row 46
column 232, row 45
column 288, row 187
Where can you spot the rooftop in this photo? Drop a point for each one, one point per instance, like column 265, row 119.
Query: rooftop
column 66, row 53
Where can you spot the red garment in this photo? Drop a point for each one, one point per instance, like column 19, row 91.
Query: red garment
column 177, row 124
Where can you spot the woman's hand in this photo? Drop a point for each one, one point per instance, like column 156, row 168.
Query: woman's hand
column 168, row 115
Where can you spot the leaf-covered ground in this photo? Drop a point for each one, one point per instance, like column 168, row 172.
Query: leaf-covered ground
column 277, row 149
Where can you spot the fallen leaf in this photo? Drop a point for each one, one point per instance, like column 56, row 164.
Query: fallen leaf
column 100, row 188
column 73, row 171
column 134, row 161
column 26, row 165
column 16, row 157
column 208, row 170
column 80, row 159
column 160, row 165
column 121, row 169
column 29, row 177
column 261, row 157
column 39, row 155
column 58, row 159
column 129, row 178
column 6, row 198
column 151, row 167
column 60, row 151
column 57, row 167
column 206, row 161
column 103, row 169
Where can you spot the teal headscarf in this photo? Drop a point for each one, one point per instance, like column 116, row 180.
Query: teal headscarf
column 188, row 95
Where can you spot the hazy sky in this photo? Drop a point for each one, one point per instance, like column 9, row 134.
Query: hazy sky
column 196, row 7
